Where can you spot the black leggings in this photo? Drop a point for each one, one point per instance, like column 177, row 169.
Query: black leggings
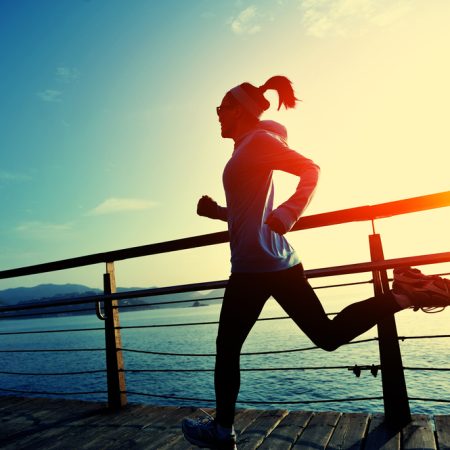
column 245, row 296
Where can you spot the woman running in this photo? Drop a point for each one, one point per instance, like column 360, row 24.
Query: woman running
column 263, row 264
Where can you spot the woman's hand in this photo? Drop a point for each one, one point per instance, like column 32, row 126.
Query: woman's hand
column 207, row 207
column 275, row 224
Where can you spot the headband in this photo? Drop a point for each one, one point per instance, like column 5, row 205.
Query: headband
column 246, row 101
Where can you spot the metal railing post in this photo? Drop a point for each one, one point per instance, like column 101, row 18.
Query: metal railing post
column 395, row 396
column 114, row 358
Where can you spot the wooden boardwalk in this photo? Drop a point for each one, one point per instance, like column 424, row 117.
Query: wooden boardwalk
column 70, row 424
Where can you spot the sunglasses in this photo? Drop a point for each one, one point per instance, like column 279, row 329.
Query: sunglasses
column 221, row 108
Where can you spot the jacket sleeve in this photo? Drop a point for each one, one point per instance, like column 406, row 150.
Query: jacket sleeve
column 214, row 211
column 222, row 213
column 276, row 155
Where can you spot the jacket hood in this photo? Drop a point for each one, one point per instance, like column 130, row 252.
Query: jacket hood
column 273, row 127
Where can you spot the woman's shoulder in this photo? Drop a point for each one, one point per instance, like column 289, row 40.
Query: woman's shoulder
column 272, row 127
column 267, row 139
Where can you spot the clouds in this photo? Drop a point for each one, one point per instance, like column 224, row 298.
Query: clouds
column 37, row 227
column 67, row 74
column 64, row 75
column 44, row 231
column 12, row 176
column 246, row 22
column 323, row 18
column 115, row 205
column 50, row 96
column 392, row 14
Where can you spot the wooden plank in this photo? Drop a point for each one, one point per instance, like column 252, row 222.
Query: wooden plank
column 113, row 341
column 30, row 416
column 49, row 420
column 163, row 433
column 395, row 395
column 107, row 429
column 350, row 432
column 180, row 442
column 76, row 433
column 121, row 426
column 29, row 405
column 10, row 403
column 79, row 427
column 13, row 423
column 380, row 437
column 442, row 431
column 287, row 431
column 442, row 424
column 419, row 434
column 243, row 419
column 53, row 424
column 255, row 433
column 152, row 425
column 318, row 432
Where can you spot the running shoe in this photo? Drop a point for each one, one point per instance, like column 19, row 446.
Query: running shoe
column 203, row 433
column 411, row 275
column 430, row 293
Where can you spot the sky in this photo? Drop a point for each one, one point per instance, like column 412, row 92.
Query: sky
column 109, row 136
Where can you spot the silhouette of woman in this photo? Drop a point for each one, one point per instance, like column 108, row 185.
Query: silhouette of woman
column 263, row 264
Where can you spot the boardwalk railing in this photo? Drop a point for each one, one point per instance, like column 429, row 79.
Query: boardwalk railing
column 395, row 396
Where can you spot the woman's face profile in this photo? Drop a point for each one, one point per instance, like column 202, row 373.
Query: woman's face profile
column 227, row 116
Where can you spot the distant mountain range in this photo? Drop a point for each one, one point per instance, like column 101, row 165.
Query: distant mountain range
column 14, row 296
column 45, row 293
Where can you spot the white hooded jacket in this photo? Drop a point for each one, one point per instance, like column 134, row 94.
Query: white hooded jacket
column 249, row 191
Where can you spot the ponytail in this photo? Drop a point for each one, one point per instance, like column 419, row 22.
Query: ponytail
column 253, row 100
column 284, row 88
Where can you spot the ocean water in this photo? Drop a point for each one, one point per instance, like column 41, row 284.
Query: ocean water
column 269, row 387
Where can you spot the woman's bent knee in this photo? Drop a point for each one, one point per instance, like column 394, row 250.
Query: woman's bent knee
column 329, row 345
column 228, row 347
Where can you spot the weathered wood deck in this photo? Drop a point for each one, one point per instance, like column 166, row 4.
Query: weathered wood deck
column 67, row 424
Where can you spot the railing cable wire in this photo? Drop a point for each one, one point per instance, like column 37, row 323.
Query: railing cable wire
column 437, row 400
column 268, row 352
column 243, row 369
column 45, row 313
column 433, row 336
column 83, row 372
column 51, row 331
column 184, row 324
column 19, row 391
column 169, row 302
column 44, row 350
